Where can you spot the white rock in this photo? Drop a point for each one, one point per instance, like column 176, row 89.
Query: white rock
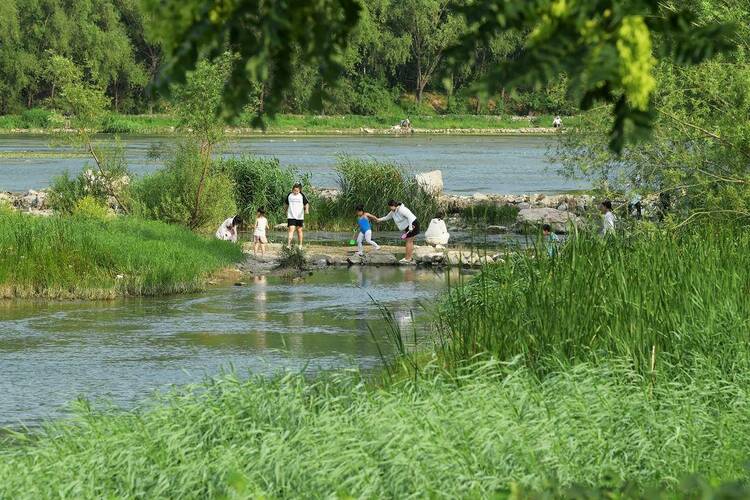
column 557, row 219
column 431, row 182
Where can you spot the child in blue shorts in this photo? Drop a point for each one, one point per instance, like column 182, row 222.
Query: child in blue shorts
column 365, row 230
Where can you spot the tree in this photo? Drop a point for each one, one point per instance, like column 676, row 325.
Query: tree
column 61, row 72
column 604, row 46
column 432, row 28
column 198, row 106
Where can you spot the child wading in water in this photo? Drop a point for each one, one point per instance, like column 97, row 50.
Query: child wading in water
column 365, row 229
column 259, row 232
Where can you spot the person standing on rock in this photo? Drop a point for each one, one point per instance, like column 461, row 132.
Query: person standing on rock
column 296, row 208
column 407, row 222
column 365, row 230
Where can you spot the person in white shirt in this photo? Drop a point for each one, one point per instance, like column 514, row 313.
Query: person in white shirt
column 228, row 229
column 407, row 222
column 557, row 122
column 259, row 232
column 296, row 208
column 608, row 218
column 437, row 233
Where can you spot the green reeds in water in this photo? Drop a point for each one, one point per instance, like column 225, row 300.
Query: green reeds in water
column 656, row 299
column 76, row 257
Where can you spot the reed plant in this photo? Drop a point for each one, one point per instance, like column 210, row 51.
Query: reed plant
column 87, row 257
column 372, row 184
column 657, row 299
column 496, row 431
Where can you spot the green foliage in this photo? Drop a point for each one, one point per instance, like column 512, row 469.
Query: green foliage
column 258, row 183
column 86, row 257
column 372, row 184
column 490, row 213
column 605, row 47
column 89, row 207
column 292, row 257
column 169, row 193
column 658, row 300
column 497, row 431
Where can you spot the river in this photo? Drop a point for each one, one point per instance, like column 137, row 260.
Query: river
column 470, row 164
column 121, row 351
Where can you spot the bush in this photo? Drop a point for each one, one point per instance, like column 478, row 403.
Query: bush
column 35, row 118
column 89, row 207
column 372, row 184
column 258, row 183
column 67, row 191
column 372, row 97
column 117, row 124
column 169, row 194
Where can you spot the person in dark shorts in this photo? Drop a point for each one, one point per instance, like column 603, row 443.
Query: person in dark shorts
column 296, row 208
column 407, row 222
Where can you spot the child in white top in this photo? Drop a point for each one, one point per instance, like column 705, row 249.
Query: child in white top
column 228, row 229
column 259, row 232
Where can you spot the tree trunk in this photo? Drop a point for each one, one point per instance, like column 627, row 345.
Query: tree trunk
column 420, row 85
column 206, row 154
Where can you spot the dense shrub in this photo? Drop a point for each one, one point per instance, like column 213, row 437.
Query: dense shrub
column 373, row 97
column 169, row 194
column 89, row 207
column 36, row 118
column 372, row 184
column 258, row 183
column 490, row 213
column 118, row 124
column 113, row 179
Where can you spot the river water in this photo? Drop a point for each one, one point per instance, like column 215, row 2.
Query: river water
column 121, row 351
column 470, row 164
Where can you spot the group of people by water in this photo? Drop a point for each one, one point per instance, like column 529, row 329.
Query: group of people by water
column 297, row 206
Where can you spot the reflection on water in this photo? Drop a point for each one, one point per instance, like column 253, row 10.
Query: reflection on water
column 506, row 164
column 51, row 352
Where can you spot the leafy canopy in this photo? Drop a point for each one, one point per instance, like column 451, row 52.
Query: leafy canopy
column 606, row 46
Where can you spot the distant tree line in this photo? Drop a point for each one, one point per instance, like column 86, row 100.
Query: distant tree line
column 395, row 61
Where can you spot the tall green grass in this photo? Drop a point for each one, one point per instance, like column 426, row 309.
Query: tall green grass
column 495, row 432
column 657, row 299
column 64, row 257
column 372, row 184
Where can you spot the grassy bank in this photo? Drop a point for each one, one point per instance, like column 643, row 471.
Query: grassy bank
column 70, row 257
column 293, row 124
column 494, row 432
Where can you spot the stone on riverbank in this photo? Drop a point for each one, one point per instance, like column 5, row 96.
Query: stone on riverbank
column 559, row 220
column 431, row 182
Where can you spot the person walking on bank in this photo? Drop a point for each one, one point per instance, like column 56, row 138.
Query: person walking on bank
column 407, row 222
column 296, row 208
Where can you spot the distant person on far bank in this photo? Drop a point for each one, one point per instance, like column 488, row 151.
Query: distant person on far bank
column 608, row 218
column 407, row 222
column 437, row 232
column 557, row 122
column 259, row 232
column 296, row 208
column 228, row 229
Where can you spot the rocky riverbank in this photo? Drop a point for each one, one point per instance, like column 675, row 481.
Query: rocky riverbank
column 320, row 257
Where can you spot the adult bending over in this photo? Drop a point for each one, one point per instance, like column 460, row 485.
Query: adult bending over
column 407, row 222
column 228, row 229
column 296, row 208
